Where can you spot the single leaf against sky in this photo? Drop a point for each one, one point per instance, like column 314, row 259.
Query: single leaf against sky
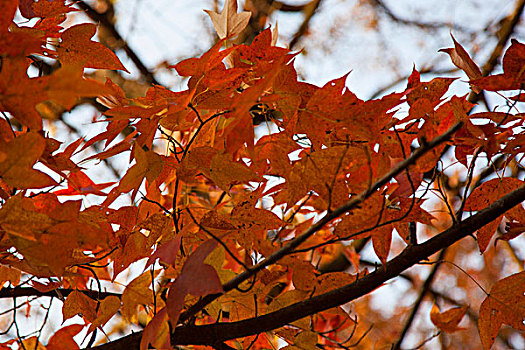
column 78, row 49
column 462, row 60
column 106, row 310
column 229, row 23
column 79, row 303
column 448, row 320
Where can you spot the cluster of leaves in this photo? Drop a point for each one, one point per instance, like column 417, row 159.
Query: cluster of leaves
column 234, row 227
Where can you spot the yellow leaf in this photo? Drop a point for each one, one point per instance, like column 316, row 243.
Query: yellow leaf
column 79, row 303
column 306, row 340
column 137, row 292
column 286, row 299
column 225, row 172
column 108, row 307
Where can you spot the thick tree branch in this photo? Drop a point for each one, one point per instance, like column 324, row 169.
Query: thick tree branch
column 283, row 7
column 55, row 293
column 380, row 5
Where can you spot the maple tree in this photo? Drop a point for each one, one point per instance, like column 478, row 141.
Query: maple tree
column 247, row 186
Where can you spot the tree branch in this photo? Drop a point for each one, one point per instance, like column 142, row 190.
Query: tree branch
column 379, row 4
column 55, row 293
column 309, row 11
column 424, row 291
column 412, row 255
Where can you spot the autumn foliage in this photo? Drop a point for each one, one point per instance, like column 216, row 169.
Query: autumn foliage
column 245, row 187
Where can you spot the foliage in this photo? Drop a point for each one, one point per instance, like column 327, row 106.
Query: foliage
column 245, row 185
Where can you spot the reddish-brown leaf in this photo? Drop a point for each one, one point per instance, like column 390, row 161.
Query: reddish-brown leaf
column 67, row 85
column 486, row 194
column 10, row 274
column 63, row 338
column 196, row 278
column 462, row 60
column 505, row 304
column 157, row 332
column 20, row 94
column 17, row 159
column 166, row 252
column 513, row 76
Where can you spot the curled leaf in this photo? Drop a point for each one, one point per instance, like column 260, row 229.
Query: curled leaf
column 461, row 59
column 448, row 320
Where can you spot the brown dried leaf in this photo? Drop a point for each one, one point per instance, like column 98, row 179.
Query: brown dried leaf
column 229, row 23
column 461, row 59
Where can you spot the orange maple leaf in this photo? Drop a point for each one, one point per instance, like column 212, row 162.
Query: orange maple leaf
column 78, row 49
column 486, row 194
column 17, row 159
column 63, row 338
column 448, row 320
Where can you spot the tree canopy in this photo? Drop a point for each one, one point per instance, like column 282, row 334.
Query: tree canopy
column 265, row 211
